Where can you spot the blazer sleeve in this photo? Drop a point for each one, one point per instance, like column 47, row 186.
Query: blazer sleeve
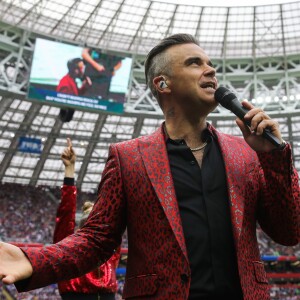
column 93, row 244
column 279, row 204
column 65, row 216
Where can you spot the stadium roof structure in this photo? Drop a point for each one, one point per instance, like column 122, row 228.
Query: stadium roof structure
column 255, row 49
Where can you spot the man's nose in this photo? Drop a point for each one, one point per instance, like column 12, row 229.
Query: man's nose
column 210, row 71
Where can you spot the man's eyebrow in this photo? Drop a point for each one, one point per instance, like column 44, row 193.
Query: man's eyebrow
column 193, row 59
column 197, row 59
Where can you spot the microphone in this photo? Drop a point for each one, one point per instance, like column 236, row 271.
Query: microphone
column 228, row 100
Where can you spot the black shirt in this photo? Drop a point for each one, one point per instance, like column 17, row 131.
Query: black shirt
column 205, row 214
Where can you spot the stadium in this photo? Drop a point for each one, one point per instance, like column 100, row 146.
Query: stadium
column 255, row 50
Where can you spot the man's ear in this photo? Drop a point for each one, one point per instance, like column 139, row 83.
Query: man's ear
column 160, row 82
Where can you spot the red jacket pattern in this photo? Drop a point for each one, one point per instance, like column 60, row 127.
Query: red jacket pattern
column 100, row 280
column 137, row 191
column 67, row 85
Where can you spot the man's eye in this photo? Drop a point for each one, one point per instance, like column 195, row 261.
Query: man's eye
column 194, row 61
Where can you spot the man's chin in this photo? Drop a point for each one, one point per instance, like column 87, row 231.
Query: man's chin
column 211, row 105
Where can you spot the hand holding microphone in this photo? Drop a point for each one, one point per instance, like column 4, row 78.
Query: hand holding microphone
column 259, row 130
column 86, row 80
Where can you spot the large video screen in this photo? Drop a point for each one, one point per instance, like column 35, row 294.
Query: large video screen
column 74, row 76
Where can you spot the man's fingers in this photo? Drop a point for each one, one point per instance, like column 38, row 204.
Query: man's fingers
column 8, row 279
column 247, row 104
column 258, row 118
column 268, row 123
column 66, row 154
column 69, row 143
column 244, row 128
column 70, row 148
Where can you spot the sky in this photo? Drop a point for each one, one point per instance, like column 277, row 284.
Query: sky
column 229, row 3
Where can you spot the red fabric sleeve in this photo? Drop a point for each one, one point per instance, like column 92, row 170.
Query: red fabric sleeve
column 65, row 216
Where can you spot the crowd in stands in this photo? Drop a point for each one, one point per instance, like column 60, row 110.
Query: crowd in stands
column 269, row 247
column 47, row 293
column 27, row 215
column 285, row 293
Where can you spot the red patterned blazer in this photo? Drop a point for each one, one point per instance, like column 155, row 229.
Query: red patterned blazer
column 137, row 191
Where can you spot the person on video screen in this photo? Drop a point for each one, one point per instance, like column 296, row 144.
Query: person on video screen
column 68, row 84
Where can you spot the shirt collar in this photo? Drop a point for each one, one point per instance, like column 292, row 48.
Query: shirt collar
column 207, row 134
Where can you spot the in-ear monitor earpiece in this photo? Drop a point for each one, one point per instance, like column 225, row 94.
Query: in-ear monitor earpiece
column 163, row 84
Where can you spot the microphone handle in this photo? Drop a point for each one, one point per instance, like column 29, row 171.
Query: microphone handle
column 240, row 112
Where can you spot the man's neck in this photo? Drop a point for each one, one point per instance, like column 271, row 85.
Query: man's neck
column 183, row 129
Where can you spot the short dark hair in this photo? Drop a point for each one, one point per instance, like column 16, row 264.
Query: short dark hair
column 72, row 64
column 151, row 68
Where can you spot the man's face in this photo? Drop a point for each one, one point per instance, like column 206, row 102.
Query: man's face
column 192, row 75
column 80, row 69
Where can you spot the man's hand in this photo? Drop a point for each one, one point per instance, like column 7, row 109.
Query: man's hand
column 87, row 81
column 14, row 265
column 69, row 157
column 98, row 67
column 259, row 121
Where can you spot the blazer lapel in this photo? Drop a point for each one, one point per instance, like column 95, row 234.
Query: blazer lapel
column 232, row 164
column 154, row 155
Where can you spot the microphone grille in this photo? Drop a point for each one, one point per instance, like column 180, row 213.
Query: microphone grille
column 224, row 96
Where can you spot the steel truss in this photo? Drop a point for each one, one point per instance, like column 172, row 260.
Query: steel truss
column 272, row 83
